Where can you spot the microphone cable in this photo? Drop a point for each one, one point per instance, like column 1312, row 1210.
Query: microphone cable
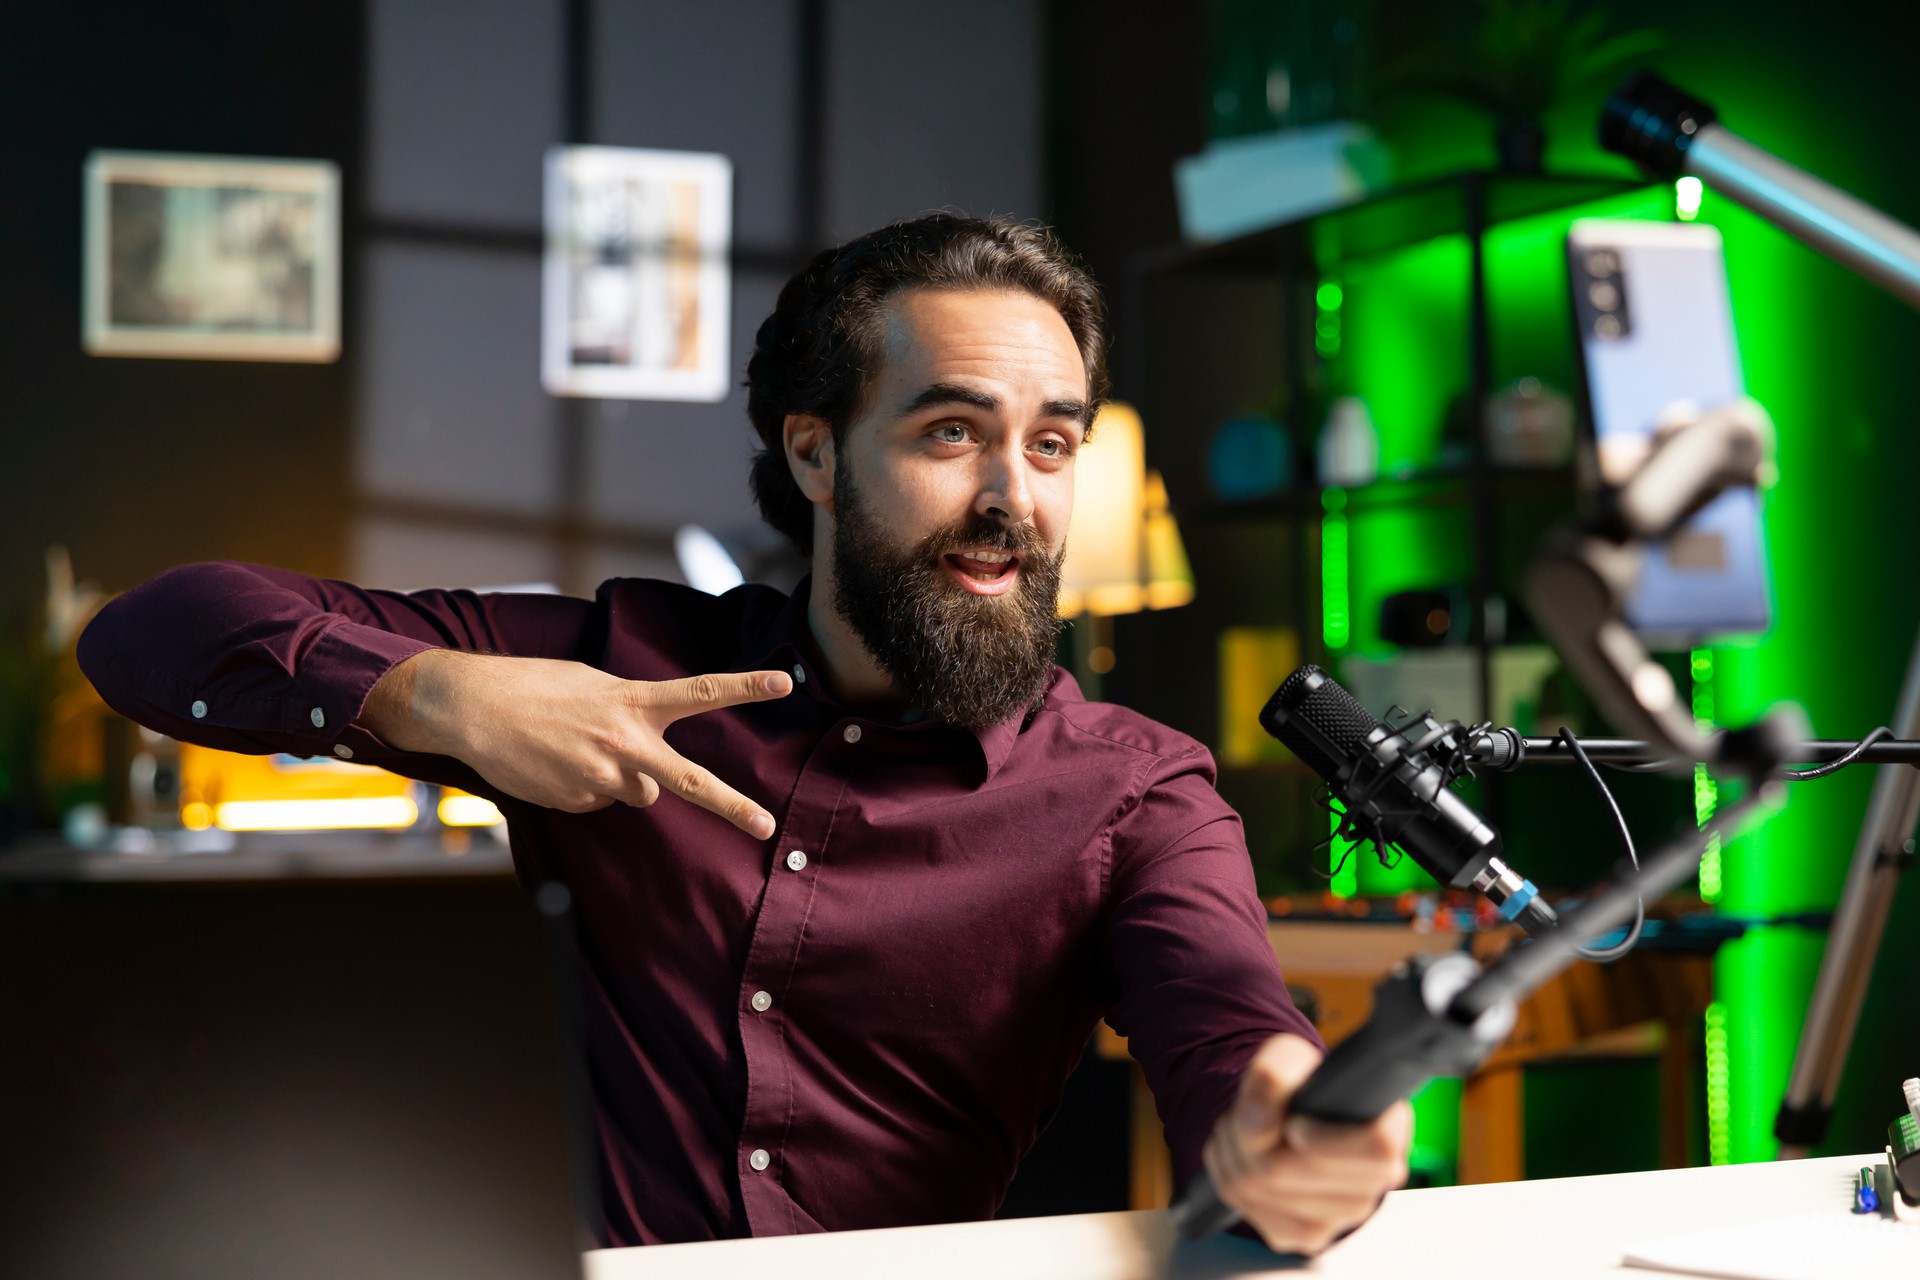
column 1834, row 766
column 1608, row 954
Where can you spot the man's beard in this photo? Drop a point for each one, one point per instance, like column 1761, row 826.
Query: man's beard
column 966, row 659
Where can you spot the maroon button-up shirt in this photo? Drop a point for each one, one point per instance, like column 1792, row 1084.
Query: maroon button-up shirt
column 863, row 1022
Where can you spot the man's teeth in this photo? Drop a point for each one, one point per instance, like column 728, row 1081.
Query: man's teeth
column 965, row 560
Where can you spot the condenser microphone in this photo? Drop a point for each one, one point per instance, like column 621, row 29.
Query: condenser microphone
column 1395, row 793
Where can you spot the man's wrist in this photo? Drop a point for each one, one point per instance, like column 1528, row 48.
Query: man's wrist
column 411, row 707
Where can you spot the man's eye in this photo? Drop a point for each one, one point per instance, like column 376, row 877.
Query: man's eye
column 950, row 433
column 1051, row 448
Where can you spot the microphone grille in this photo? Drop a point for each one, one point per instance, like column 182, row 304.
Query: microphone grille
column 1308, row 709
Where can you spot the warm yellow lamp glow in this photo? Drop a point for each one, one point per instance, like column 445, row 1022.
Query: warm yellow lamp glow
column 316, row 815
column 1104, row 570
column 281, row 793
column 1169, row 574
column 1124, row 552
column 458, row 809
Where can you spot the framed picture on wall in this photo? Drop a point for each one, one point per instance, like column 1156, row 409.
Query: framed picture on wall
column 635, row 288
column 211, row 257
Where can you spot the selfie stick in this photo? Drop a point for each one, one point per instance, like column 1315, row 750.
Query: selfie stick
column 1669, row 132
column 1441, row 1015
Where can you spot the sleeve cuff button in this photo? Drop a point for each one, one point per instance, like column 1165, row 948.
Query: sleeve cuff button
column 199, row 709
column 318, row 717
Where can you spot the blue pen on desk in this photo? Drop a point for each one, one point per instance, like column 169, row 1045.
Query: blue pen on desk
column 1865, row 1198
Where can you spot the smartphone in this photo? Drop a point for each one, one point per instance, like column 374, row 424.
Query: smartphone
column 1655, row 324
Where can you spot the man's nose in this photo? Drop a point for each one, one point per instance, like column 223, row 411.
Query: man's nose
column 1004, row 492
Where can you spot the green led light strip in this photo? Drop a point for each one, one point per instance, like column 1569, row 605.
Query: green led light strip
column 1336, row 621
column 1336, row 629
column 1719, row 1131
column 1326, row 323
column 1706, row 792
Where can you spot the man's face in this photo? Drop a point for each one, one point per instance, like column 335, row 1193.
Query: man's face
column 951, row 497
column 978, row 409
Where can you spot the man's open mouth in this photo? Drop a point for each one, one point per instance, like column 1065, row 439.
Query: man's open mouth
column 984, row 572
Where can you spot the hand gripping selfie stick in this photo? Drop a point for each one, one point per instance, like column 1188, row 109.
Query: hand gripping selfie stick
column 1442, row 1015
column 1669, row 133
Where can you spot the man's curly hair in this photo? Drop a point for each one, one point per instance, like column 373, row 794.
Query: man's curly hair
column 818, row 351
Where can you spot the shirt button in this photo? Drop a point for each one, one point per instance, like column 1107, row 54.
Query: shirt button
column 852, row 734
column 199, row 710
column 761, row 1002
column 799, row 674
column 796, row 861
column 759, row 1159
column 342, row 750
column 318, row 717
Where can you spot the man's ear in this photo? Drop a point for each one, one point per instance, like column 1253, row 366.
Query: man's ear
column 809, row 445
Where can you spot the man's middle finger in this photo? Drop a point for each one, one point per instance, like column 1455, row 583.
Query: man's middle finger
column 697, row 783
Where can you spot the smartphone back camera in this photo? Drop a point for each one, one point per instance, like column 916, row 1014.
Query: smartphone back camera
column 1600, row 294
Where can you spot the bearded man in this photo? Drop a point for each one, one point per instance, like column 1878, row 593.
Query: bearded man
column 839, row 977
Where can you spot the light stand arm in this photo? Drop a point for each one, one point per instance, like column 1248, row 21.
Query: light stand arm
column 1669, row 132
column 1883, row 851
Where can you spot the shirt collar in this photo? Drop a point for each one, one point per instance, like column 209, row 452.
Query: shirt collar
column 780, row 643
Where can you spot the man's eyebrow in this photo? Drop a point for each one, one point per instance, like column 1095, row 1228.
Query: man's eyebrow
column 941, row 393
column 949, row 393
column 1075, row 409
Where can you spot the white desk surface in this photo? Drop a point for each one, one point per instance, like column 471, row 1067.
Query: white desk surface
column 1564, row 1228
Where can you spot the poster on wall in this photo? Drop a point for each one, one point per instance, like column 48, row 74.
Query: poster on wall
column 211, row 257
column 636, row 278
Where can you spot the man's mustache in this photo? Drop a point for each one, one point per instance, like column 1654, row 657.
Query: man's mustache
column 985, row 536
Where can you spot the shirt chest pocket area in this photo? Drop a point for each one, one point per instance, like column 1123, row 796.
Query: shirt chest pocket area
column 948, row 929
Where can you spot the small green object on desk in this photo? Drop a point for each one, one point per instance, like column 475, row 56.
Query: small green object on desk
column 1865, row 1198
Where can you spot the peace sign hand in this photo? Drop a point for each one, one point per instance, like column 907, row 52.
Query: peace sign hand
column 564, row 735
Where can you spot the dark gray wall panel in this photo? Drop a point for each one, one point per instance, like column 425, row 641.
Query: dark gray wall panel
column 451, row 408
column 932, row 104
column 464, row 98
column 658, row 465
column 721, row 75
column 628, row 562
column 405, row 556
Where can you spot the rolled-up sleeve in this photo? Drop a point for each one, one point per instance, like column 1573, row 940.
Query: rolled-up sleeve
column 1196, row 987
column 254, row 659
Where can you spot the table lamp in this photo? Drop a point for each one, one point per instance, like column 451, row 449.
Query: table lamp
column 1124, row 552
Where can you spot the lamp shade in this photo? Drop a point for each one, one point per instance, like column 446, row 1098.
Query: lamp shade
column 1169, row 573
column 1105, row 569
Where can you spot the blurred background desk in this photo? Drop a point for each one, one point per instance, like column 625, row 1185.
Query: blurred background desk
column 255, row 857
column 1644, row 1005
